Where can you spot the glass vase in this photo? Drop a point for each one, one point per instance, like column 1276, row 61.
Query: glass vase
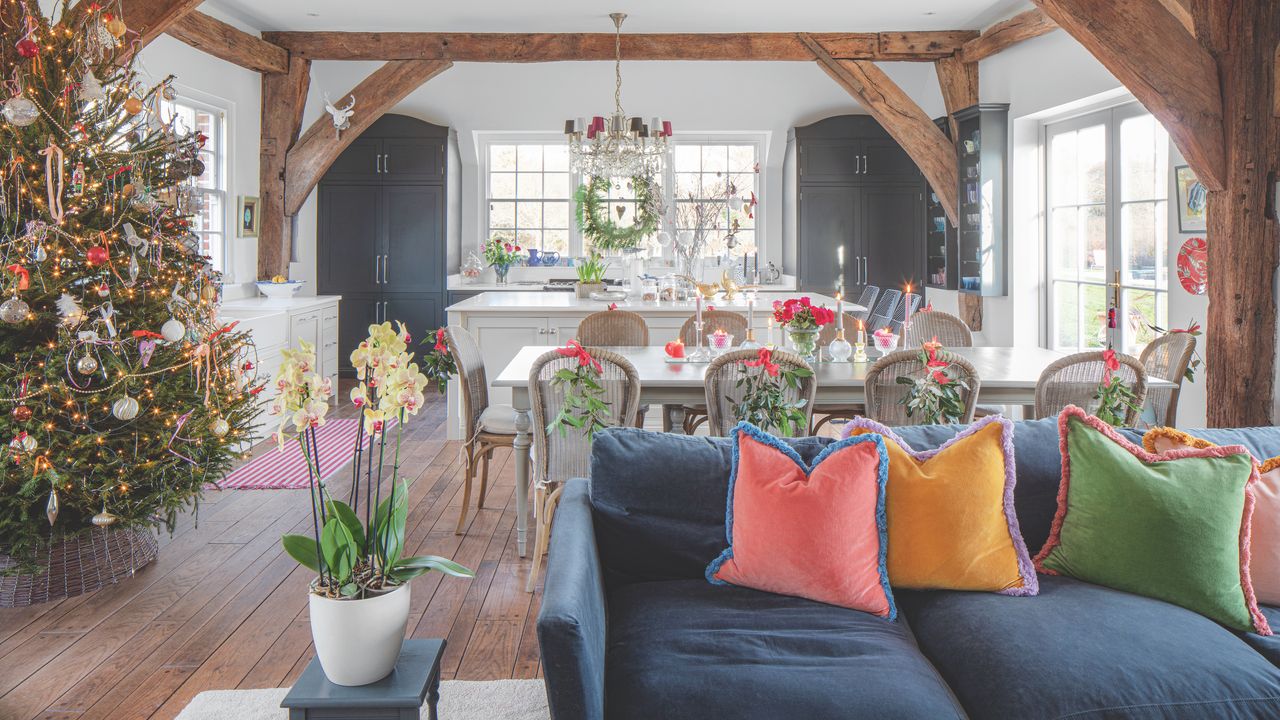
column 501, row 271
column 804, row 342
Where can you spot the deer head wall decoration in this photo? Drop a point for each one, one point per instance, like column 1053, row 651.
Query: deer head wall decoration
column 341, row 115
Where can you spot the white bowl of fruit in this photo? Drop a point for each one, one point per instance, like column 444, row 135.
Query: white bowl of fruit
column 279, row 287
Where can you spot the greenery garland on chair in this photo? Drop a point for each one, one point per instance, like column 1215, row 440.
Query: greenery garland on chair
column 591, row 208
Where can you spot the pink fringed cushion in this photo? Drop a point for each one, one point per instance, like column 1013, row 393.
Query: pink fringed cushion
column 1174, row 526
column 813, row 532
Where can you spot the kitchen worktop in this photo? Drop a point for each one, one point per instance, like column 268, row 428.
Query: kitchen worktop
column 510, row 302
column 261, row 306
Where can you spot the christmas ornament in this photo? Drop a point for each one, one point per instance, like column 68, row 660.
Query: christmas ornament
column 220, row 427
column 125, row 408
column 104, row 518
column 54, row 157
column 168, row 93
column 128, row 190
column 14, row 310
column 77, row 179
column 28, row 48
column 131, row 235
column 197, row 168
column 86, row 364
column 22, row 413
column 133, row 268
column 133, row 106
column 70, row 311
column 91, row 89
column 97, row 255
column 146, row 348
column 104, row 290
column 39, row 254
column 209, row 293
column 116, row 27
column 23, row 442
column 20, row 111
column 173, row 330
column 51, row 507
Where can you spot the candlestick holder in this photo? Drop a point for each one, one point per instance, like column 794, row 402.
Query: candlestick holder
column 839, row 349
column 700, row 354
column 860, row 352
column 749, row 343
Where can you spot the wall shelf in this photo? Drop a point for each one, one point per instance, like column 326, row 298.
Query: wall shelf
column 981, row 153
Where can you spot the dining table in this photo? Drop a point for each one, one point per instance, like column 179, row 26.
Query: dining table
column 1009, row 376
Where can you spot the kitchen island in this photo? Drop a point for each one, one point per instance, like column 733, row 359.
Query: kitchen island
column 505, row 322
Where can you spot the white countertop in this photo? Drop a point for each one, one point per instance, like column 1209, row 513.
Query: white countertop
column 542, row 303
column 261, row 306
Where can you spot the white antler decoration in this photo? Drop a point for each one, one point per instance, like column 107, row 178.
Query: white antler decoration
column 341, row 115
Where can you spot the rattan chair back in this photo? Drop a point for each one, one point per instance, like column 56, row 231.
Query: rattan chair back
column 885, row 394
column 722, row 391
column 1074, row 380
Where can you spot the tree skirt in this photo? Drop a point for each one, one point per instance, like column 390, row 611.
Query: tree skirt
column 459, row 700
column 287, row 469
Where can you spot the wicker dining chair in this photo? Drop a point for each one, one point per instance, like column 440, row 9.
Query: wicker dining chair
column 1074, row 380
column 885, row 393
column 722, row 392
column 867, row 299
column 613, row 328
column 560, row 455
column 1167, row 357
column 882, row 314
column 731, row 322
column 926, row 325
column 485, row 427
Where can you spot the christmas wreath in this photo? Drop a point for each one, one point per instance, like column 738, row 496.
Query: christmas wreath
column 595, row 223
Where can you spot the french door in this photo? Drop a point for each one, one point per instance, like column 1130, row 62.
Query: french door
column 1107, row 177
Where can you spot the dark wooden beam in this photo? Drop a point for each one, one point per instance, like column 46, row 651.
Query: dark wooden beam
column 1182, row 13
column 284, row 96
column 558, row 47
column 147, row 18
column 1148, row 50
column 229, row 43
column 1002, row 35
column 1244, row 244
column 316, row 150
column 901, row 117
column 1275, row 92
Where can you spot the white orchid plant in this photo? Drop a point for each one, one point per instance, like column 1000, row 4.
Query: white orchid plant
column 353, row 558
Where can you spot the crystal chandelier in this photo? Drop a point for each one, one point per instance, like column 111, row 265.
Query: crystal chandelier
column 618, row 146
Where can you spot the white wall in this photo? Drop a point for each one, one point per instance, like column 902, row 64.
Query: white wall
column 699, row 97
column 203, row 77
column 1185, row 307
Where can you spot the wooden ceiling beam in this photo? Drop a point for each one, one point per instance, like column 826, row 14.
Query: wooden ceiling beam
column 560, row 47
column 1182, row 13
column 1004, row 34
column 284, row 97
column 147, row 18
column 958, row 79
column 1165, row 68
column 320, row 145
column 901, row 117
column 229, row 43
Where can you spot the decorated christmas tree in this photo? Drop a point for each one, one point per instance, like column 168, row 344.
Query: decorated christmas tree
column 121, row 393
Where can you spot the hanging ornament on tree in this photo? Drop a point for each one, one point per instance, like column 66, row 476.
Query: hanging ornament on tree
column 134, row 269
column 28, row 48
column 125, row 408
column 51, row 507
column 23, row 442
column 39, row 254
column 220, row 427
column 146, row 348
column 21, row 413
column 173, row 330
column 115, row 26
column 77, row 179
column 20, row 111
column 133, row 106
column 97, row 255
column 91, row 89
column 86, row 364
column 14, row 310
column 104, row 290
column 104, row 518
column 70, row 310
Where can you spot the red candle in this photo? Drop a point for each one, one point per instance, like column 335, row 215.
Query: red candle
column 666, row 128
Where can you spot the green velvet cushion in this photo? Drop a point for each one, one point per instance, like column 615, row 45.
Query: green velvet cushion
column 1172, row 527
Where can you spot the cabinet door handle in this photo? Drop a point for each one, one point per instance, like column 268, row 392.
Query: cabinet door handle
column 385, row 258
column 865, row 279
column 377, row 268
column 554, row 331
column 385, row 158
column 865, row 166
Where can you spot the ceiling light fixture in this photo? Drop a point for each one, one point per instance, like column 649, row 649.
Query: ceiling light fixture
column 618, row 146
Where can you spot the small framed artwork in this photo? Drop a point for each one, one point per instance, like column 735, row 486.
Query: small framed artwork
column 1192, row 201
column 247, row 219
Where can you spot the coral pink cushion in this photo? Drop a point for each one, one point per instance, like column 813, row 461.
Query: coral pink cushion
column 813, row 532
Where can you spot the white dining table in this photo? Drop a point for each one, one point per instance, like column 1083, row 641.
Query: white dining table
column 1009, row 376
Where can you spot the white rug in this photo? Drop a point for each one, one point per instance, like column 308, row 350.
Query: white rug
column 459, row 700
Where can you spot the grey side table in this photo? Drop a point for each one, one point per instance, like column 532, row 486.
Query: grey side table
column 398, row 696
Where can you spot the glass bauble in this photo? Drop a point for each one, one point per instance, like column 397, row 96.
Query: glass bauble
column 14, row 310
column 20, row 111
column 104, row 518
column 220, row 427
column 125, row 408
column 173, row 330
column 86, row 364
column 51, row 507
column 22, row 413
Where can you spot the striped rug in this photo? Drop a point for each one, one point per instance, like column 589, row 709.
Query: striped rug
column 287, row 469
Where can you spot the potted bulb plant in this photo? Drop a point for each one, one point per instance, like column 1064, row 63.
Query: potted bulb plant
column 591, row 275
column 359, row 601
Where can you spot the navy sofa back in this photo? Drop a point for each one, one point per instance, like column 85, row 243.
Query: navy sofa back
column 659, row 499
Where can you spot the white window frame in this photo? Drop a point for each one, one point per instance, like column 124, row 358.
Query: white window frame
column 224, row 109
column 1110, row 115
column 760, row 140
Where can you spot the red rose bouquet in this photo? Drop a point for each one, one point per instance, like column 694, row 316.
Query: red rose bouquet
column 801, row 314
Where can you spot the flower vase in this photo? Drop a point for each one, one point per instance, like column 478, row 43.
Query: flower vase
column 804, row 342
column 501, row 271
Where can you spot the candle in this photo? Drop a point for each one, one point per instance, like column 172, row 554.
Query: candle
column 862, row 333
column 840, row 311
column 769, row 339
column 698, row 308
column 751, row 310
column 720, row 339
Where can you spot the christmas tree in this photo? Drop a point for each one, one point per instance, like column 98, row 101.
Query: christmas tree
column 121, row 394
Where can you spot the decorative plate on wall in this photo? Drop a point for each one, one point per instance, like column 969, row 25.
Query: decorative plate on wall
column 1193, row 265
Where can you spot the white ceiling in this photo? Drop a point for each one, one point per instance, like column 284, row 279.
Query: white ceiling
column 592, row 15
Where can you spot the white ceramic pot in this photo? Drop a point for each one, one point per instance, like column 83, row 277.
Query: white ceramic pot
column 358, row 641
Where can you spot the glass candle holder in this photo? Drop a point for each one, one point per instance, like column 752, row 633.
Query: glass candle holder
column 839, row 350
column 719, row 341
column 885, row 342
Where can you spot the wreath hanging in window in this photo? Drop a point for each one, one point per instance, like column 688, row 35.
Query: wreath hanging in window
column 598, row 225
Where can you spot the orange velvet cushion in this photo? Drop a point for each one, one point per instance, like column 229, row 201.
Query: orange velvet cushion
column 951, row 517
column 814, row 532
column 1263, row 545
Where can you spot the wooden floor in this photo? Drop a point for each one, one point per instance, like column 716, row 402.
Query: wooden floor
column 223, row 607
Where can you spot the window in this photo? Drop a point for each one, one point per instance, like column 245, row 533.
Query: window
column 529, row 190
column 1107, row 193
column 529, row 194
column 208, row 192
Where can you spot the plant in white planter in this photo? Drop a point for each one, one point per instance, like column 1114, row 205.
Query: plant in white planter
column 359, row 601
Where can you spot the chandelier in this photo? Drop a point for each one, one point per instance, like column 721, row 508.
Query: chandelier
column 618, row 146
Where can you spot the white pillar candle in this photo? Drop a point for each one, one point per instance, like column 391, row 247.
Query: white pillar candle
column 751, row 312
column 698, row 307
column 862, row 333
column 839, row 311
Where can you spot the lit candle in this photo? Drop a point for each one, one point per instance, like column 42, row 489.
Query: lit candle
column 720, row 339
column 840, row 311
column 862, row 333
column 769, row 339
column 698, row 308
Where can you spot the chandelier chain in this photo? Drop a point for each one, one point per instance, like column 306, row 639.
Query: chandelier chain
column 617, row 61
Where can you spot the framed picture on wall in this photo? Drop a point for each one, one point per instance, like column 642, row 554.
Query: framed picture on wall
column 1192, row 199
column 247, row 218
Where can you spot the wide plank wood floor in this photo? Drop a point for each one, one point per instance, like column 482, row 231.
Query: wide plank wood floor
column 223, row 606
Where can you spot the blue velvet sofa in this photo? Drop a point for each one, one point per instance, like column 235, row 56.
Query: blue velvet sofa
column 630, row 629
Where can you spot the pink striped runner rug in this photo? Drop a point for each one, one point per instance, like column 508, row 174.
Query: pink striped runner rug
column 287, row 469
